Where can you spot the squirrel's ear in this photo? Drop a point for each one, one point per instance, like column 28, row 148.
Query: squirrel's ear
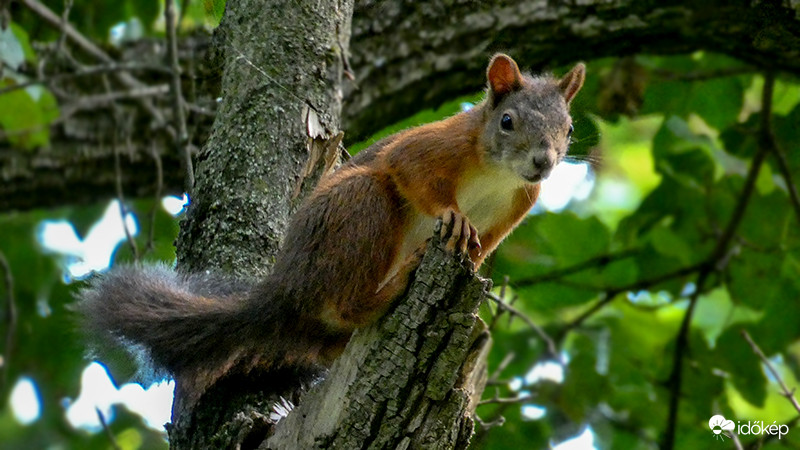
column 572, row 82
column 503, row 75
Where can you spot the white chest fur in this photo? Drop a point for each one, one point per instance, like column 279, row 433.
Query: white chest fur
column 485, row 198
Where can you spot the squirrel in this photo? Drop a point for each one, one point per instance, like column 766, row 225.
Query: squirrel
column 352, row 246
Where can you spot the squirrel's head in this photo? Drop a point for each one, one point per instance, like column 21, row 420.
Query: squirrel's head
column 528, row 126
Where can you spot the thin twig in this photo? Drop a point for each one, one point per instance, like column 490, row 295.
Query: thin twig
column 111, row 438
column 123, row 210
column 783, row 166
column 500, row 368
column 737, row 443
column 505, row 400
column 181, row 136
column 596, row 262
column 69, row 31
column 64, row 21
column 496, row 315
column 551, row 346
column 5, row 16
column 788, row 393
column 486, row 425
column 84, row 72
column 10, row 319
column 89, row 47
column 716, row 262
column 95, row 101
column 157, row 197
column 610, row 294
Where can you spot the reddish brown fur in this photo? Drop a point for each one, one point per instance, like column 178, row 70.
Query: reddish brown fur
column 350, row 249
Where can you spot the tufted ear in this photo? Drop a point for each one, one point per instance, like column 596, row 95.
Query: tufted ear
column 572, row 82
column 503, row 75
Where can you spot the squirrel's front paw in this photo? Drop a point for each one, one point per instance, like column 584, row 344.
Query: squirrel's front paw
column 460, row 236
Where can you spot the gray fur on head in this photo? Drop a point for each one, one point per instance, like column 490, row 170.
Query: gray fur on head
column 528, row 125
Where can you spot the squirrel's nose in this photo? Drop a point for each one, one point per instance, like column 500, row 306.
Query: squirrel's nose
column 542, row 161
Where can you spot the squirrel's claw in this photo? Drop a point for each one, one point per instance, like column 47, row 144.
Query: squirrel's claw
column 461, row 236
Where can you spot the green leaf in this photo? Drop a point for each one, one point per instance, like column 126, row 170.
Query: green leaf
column 776, row 231
column 735, row 357
column 573, row 239
column 684, row 155
column 751, row 278
column 214, row 10
column 701, row 388
column 670, row 244
column 583, row 388
column 684, row 98
column 585, row 137
column 25, row 119
column 778, row 326
column 147, row 11
column 715, row 312
column 14, row 47
column 728, row 96
column 787, row 135
column 765, row 183
column 620, row 273
column 667, row 199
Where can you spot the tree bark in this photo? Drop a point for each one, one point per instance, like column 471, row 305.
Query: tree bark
column 281, row 90
column 430, row 352
column 408, row 56
column 412, row 380
column 281, row 101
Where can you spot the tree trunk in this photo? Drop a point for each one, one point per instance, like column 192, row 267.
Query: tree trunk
column 406, row 56
column 412, row 380
column 281, row 90
column 280, row 103
column 278, row 118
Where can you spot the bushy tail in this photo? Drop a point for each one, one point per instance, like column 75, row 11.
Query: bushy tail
column 182, row 321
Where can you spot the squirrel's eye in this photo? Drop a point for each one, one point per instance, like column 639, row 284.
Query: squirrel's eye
column 506, row 122
column 569, row 133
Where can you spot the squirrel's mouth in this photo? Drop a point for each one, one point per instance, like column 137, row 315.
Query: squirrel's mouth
column 538, row 176
column 533, row 178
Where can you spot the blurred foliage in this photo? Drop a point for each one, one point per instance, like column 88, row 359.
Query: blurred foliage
column 666, row 183
column 679, row 172
column 48, row 348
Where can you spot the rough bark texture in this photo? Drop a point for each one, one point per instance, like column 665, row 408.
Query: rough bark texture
column 405, row 56
column 280, row 87
column 280, row 100
column 411, row 380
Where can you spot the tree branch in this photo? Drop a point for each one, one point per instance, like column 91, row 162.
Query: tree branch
column 412, row 380
column 552, row 350
column 610, row 294
column 181, row 135
column 497, row 400
column 786, row 173
column 788, row 393
column 435, row 64
column 716, row 261
column 242, row 197
column 90, row 48
column 86, row 71
column 10, row 320
column 112, row 440
column 596, row 262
